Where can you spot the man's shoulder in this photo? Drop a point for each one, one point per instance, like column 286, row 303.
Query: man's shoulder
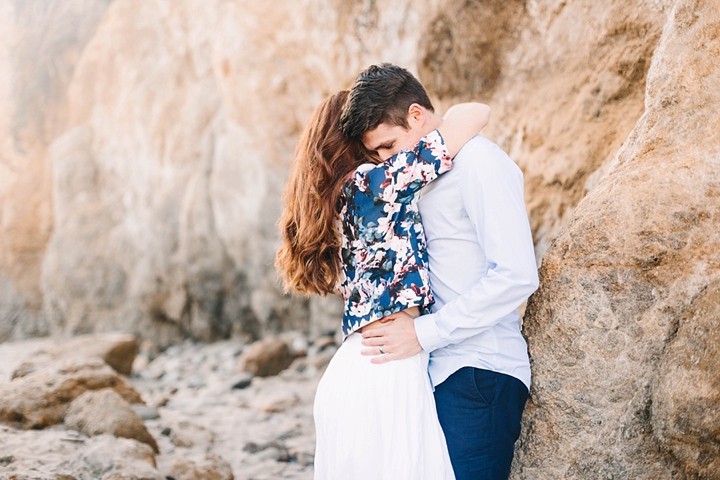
column 478, row 141
column 480, row 153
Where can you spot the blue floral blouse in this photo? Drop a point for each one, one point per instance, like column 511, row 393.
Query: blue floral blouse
column 384, row 252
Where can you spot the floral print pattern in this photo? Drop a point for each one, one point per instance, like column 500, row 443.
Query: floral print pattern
column 384, row 252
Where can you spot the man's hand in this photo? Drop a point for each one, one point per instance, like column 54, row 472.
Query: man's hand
column 398, row 339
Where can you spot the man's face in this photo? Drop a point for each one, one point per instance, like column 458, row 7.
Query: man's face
column 387, row 140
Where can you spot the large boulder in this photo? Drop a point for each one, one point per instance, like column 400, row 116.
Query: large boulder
column 40, row 399
column 623, row 330
column 116, row 349
column 106, row 412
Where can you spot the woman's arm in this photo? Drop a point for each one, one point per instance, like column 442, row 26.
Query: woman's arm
column 462, row 122
column 403, row 174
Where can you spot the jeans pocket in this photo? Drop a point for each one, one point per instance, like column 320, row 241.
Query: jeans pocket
column 485, row 385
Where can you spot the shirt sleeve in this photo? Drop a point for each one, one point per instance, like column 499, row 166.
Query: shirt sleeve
column 403, row 174
column 492, row 196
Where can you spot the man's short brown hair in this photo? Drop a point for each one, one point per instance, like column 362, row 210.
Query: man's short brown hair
column 381, row 94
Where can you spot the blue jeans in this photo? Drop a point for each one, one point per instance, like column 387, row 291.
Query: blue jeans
column 480, row 411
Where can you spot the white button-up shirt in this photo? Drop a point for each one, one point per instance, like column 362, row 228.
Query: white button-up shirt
column 482, row 265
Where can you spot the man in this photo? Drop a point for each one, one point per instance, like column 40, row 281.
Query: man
column 482, row 268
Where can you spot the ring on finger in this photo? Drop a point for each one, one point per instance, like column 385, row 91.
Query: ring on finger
column 382, row 352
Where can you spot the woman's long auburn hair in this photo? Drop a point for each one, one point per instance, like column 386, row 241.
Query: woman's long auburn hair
column 309, row 257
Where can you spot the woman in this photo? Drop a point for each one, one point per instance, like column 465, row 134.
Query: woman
column 350, row 225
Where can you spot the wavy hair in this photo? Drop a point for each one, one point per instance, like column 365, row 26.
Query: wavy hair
column 309, row 258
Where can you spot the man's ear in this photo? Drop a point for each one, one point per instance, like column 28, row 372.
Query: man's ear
column 416, row 115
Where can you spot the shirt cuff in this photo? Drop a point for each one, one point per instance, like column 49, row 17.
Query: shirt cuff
column 427, row 332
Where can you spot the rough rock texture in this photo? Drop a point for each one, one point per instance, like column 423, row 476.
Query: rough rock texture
column 40, row 45
column 106, row 412
column 59, row 455
column 566, row 82
column 214, row 418
column 623, row 330
column 686, row 404
column 266, row 357
column 189, row 434
column 41, row 398
column 276, row 402
column 116, row 349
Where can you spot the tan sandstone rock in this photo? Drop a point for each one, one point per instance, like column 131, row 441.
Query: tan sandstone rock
column 190, row 434
column 157, row 213
column 43, row 44
column 266, row 357
column 66, row 455
column 211, row 467
column 41, row 398
column 117, row 350
column 622, row 331
column 105, row 411
column 686, row 401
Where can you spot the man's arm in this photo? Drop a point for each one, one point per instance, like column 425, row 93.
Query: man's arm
column 493, row 199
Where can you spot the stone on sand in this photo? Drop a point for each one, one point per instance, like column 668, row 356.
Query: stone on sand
column 266, row 357
column 40, row 399
column 105, row 411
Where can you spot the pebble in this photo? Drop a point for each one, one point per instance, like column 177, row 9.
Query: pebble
column 243, row 380
column 145, row 412
column 195, row 383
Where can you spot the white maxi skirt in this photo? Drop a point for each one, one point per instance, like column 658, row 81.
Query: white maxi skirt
column 378, row 422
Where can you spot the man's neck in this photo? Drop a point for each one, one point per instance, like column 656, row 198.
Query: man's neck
column 432, row 122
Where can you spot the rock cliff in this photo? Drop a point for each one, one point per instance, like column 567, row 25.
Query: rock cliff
column 144, row 146
column 150, row 205
column 142, row 166
column 623, row 330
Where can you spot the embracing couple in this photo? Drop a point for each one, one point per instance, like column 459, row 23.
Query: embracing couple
column 420, row 224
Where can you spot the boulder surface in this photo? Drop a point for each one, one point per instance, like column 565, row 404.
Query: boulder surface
column 59, row 455
column 623, row 330
column 40, row 399
column 266, row 357
column 118, row 350
column 106, row 412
